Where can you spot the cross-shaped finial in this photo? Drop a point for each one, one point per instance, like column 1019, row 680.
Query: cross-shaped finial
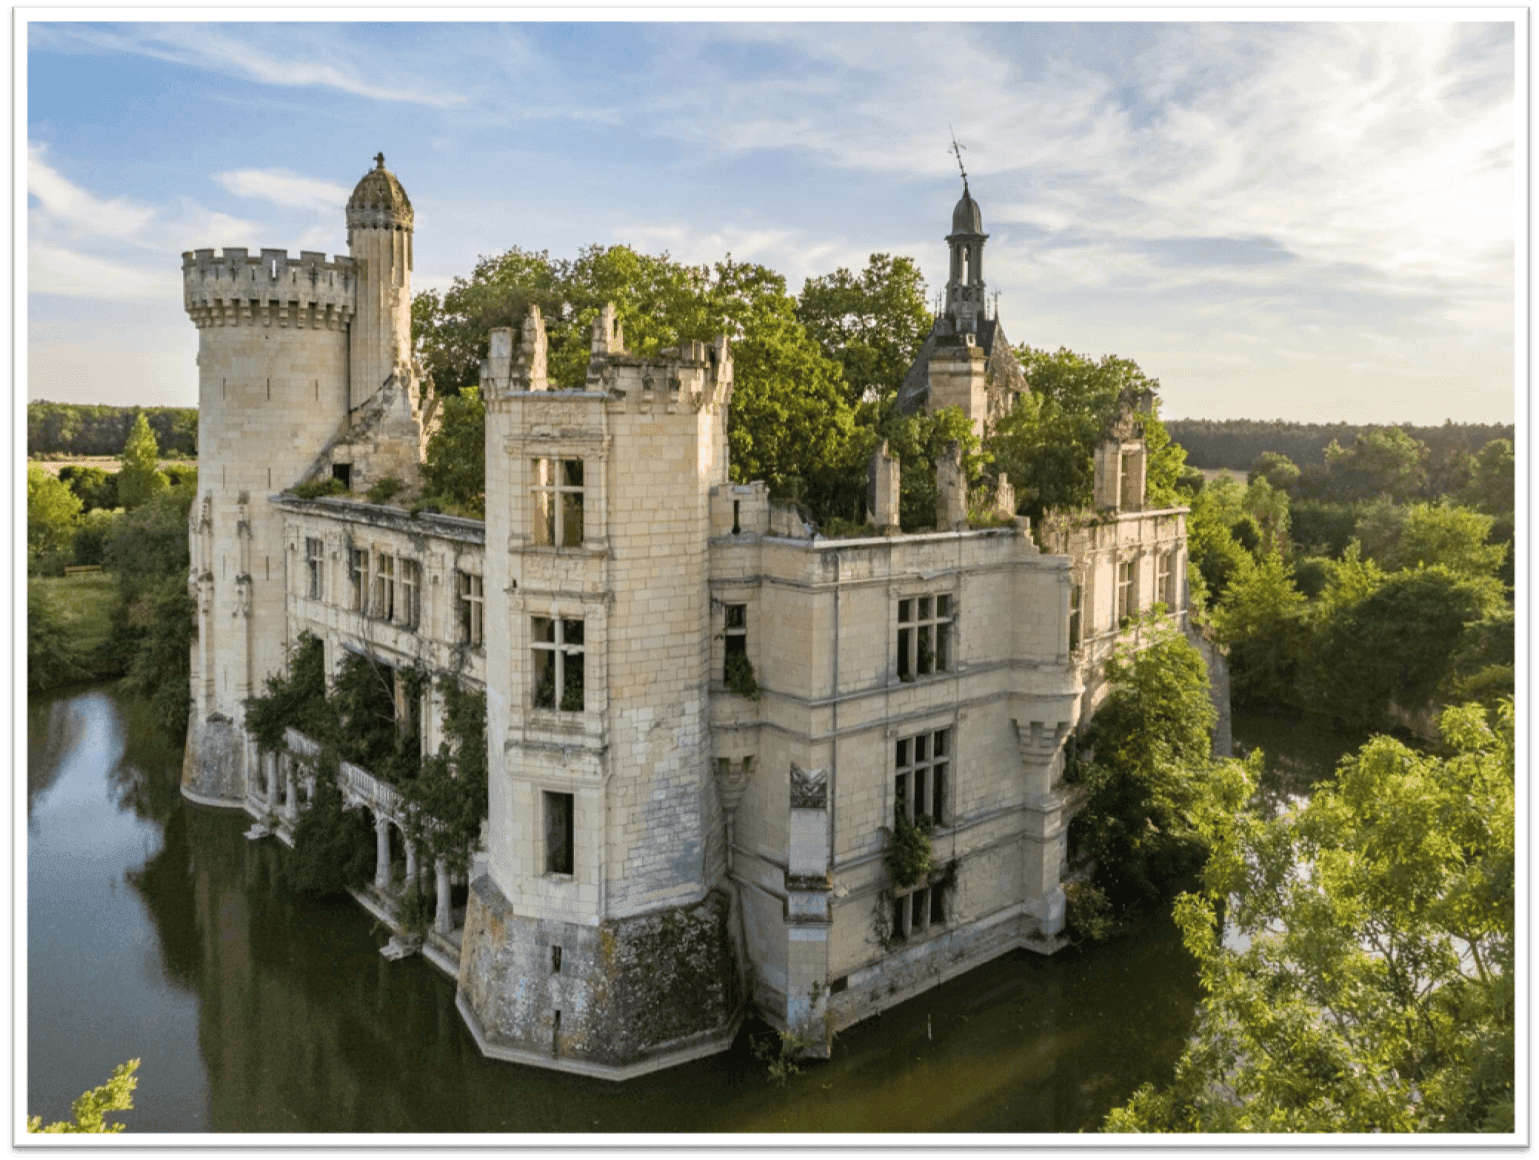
column 379, row 160
column 957, row 149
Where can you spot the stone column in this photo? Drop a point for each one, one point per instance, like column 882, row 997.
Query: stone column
column 270, row 768
column 411, row 863
column 443, row 918
column 291, row 791
column 382, row 852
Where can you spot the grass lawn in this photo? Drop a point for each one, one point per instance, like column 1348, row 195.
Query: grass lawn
column 87, row 603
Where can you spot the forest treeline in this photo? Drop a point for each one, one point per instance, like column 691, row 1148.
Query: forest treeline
column 81, row 429
column 1235, row 443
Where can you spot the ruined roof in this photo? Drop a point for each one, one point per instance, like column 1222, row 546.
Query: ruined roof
column 967, row 218
column 379, row 201
column 1004, row 371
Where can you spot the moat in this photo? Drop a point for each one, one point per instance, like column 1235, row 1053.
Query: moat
column 156, row 930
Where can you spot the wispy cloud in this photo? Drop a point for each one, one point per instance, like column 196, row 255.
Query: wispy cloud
column 54, row 270
column 269, row 54
column 286, row 189
column 77, row 210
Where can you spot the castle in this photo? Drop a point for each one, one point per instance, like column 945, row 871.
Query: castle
column 662, row 853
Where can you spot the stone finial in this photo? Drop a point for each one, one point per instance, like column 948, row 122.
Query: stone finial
column 883, row 487
column 608, row 332
column 809, row 788
column 950, row 489
column 528, row 372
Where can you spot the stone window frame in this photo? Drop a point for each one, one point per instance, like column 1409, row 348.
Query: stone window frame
column 1076, row 625
column 315, row 567
column 927, row 902
column 734, row 634
column 557, row 651
column 470, row 607
column 382, row 587
column 943, row 635
column 553, row 494
column 920, row 760
column 409, row 583
column 1164, row 579
column 1126, row 578
column 558, row 834
column 358, row 579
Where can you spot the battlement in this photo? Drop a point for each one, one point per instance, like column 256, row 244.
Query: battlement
column 270, row 288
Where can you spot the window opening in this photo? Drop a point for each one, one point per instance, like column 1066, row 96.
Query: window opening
column 409, row 610
column 1162, row 582
column 471, row 608
column 924, row 636
column 921, row 767
column 1124, row 590
column 1075, row 596
column 558, row 833
column 557, row 646
column 383, row 605
column 344, row 472
column 315, row 565
column 558, row 489
column 357, row 570
column 555, row 960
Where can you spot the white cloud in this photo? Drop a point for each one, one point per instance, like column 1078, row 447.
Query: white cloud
column 270, row 54
column 81, row 212
column 53, row 270
column 287, row 189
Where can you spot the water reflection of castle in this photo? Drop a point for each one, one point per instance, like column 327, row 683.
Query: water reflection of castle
column 662, row 851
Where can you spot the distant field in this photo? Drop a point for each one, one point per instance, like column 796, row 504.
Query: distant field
column 108, row 463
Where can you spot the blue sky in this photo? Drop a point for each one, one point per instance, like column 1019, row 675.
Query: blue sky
column 1306, row 221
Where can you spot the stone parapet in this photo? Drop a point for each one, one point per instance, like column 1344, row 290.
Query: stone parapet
column 237, row 288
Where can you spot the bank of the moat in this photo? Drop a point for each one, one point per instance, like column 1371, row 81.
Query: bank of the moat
column 155, row 929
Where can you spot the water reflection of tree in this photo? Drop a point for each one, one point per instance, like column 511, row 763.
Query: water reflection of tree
column 148, row 778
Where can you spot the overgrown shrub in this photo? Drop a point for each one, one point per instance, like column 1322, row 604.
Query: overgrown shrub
column 319, row 488
column 334, row 848
column 910, row 856
column 740, row 676
column 385, row 490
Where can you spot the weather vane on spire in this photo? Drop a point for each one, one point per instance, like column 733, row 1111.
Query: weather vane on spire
column 957, row 149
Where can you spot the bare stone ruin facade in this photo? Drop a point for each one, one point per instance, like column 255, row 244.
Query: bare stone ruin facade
column 666, row 848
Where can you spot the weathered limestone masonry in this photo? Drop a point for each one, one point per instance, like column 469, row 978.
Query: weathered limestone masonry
column 705, row 722
column 272, row 388
column 606, row 839
column 288, row 351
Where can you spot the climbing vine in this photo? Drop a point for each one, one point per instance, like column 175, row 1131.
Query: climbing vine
column 449, row 793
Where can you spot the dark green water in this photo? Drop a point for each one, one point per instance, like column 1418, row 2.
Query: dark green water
column 155, row 930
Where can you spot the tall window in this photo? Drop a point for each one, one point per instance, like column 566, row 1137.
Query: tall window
column 558, row 833
column 919, row 783
column 315, row 565
column 1163, row 588
column 357, row 572
column 736, row 639
column 470, row 609
column 383, row 604
column 409, row 610
column 924, row 636
column 558, row 666
column 1125, row 590
column 1075, row 597
column 917, row 911
column 557, row 502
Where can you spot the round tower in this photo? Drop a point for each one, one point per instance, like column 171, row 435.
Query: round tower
column 379, row 235
column 272, row 392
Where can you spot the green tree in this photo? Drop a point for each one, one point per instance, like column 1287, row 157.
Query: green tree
column 1376, row 990
column 1262, row 621
column 334, row 847
column 95, row 487
column 1214, row 552
column 1455, row 537
column 90, row 1110
column 1381, row 639
column 140, row 478
column 53, row 511
column 1490, row 487
column 1387, row 461
column 1277, row 469
column 1150, row 755
column 454, row 466
column 871, row 323
column 1047, row 446
column 52, row 658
